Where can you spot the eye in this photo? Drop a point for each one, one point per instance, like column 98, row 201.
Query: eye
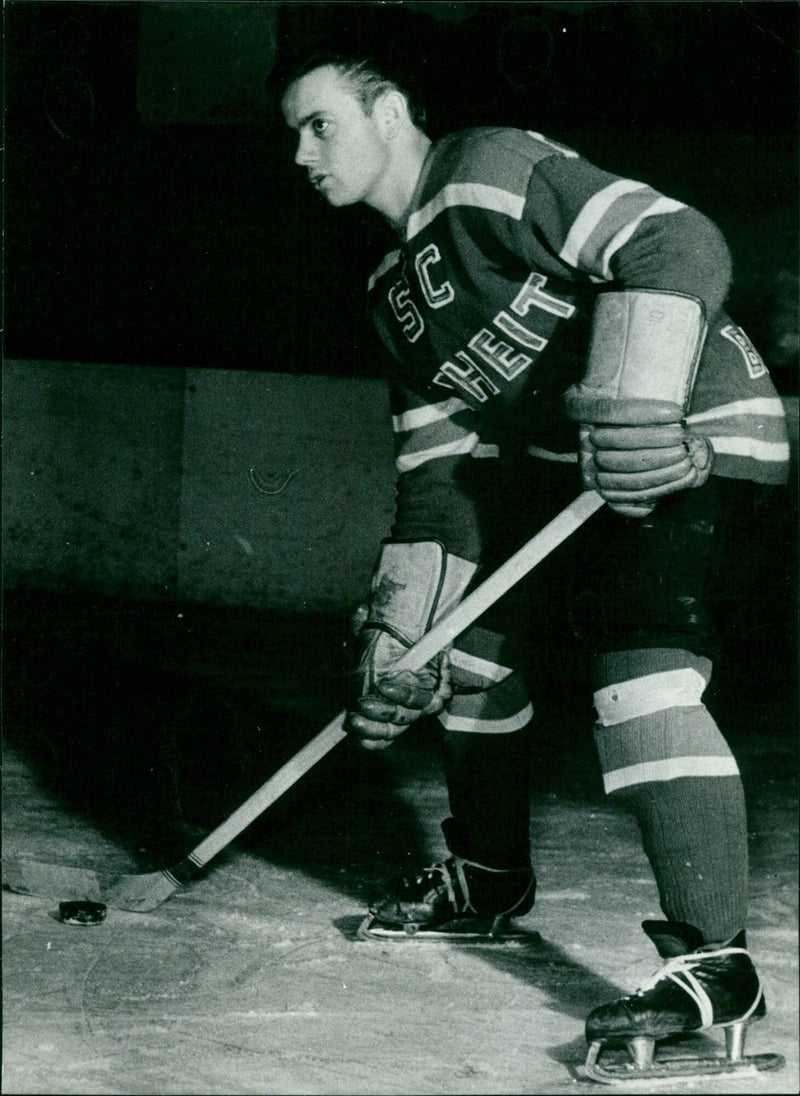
column 319, row 126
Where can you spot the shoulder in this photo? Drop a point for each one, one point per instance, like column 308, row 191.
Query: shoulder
column 488, row 169
column 499, row 156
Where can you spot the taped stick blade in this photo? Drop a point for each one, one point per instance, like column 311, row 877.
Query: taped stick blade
column 137, row 893
column 51, row 880
column 141, row 893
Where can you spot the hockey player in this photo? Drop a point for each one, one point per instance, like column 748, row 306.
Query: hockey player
column 552, row 324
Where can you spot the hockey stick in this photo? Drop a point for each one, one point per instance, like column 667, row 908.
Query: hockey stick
column 141, row 893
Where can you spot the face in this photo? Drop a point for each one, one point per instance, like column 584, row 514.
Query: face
column 342, row 148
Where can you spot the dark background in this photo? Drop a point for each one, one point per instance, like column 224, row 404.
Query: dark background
column 154, row 215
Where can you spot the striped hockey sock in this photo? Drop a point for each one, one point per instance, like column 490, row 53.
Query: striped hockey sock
column 662, row 754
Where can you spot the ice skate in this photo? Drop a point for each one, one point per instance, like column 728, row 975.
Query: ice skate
column 458, row 901
column 700, row 988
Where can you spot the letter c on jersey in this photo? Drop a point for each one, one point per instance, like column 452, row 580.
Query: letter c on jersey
column 436, row 297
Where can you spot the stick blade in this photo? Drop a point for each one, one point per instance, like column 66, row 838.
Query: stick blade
column 136, row 893
column 51, row 880
column 141, row 893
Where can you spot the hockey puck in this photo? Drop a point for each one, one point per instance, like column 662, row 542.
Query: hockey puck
column 81, row 913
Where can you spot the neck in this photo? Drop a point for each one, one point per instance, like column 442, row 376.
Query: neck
column 400, row 181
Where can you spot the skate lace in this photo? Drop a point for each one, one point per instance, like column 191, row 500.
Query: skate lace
column 452, row 895
column 679, row 970
column 460, row 864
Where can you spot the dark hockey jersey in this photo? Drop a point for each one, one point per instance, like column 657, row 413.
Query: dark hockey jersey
column 485, row 306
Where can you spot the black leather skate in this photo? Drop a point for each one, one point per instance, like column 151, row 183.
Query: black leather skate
column 701, row 987
column 456, row 900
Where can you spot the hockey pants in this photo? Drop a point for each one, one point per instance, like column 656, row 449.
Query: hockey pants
column 636, row 593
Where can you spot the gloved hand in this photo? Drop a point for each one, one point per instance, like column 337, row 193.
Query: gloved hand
column 414, row 583
column 388, row 703
column 643, row 355
column 633, row 466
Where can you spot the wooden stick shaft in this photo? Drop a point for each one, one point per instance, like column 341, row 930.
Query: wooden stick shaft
column 500, row 581
column 440, row 636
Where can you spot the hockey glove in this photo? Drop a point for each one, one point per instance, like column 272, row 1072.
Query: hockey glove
column 635, row 447
column 413, row 585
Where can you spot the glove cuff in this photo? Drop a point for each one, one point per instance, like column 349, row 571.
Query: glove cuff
column 626, row 412
column 645, row 346
column 414, row 584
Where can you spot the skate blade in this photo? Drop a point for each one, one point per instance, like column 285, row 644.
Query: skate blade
column 507, row 935
column 668, row 1069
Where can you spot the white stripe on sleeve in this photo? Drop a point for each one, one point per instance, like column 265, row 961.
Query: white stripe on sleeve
column 408, row 461
column 466, row 194
column 751, row 447
column 418, row 417
column 762, row 405
column 387, row 262
column 659, row 207
column 590, row 216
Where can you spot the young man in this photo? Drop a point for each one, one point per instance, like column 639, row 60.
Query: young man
column 552, row 324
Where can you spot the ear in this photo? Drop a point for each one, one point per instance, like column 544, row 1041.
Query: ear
column 391, row 110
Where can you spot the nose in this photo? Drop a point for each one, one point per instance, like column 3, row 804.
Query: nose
column 305, row 153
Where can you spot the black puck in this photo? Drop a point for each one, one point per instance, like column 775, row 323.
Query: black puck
column 81, row 913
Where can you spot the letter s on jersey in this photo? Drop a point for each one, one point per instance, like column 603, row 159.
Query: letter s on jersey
column 405, row 310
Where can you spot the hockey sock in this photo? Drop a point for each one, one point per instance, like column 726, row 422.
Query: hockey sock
column 488, row 784
column 663, row 755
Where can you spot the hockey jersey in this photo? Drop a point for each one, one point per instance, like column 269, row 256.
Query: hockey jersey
column 485, row 306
